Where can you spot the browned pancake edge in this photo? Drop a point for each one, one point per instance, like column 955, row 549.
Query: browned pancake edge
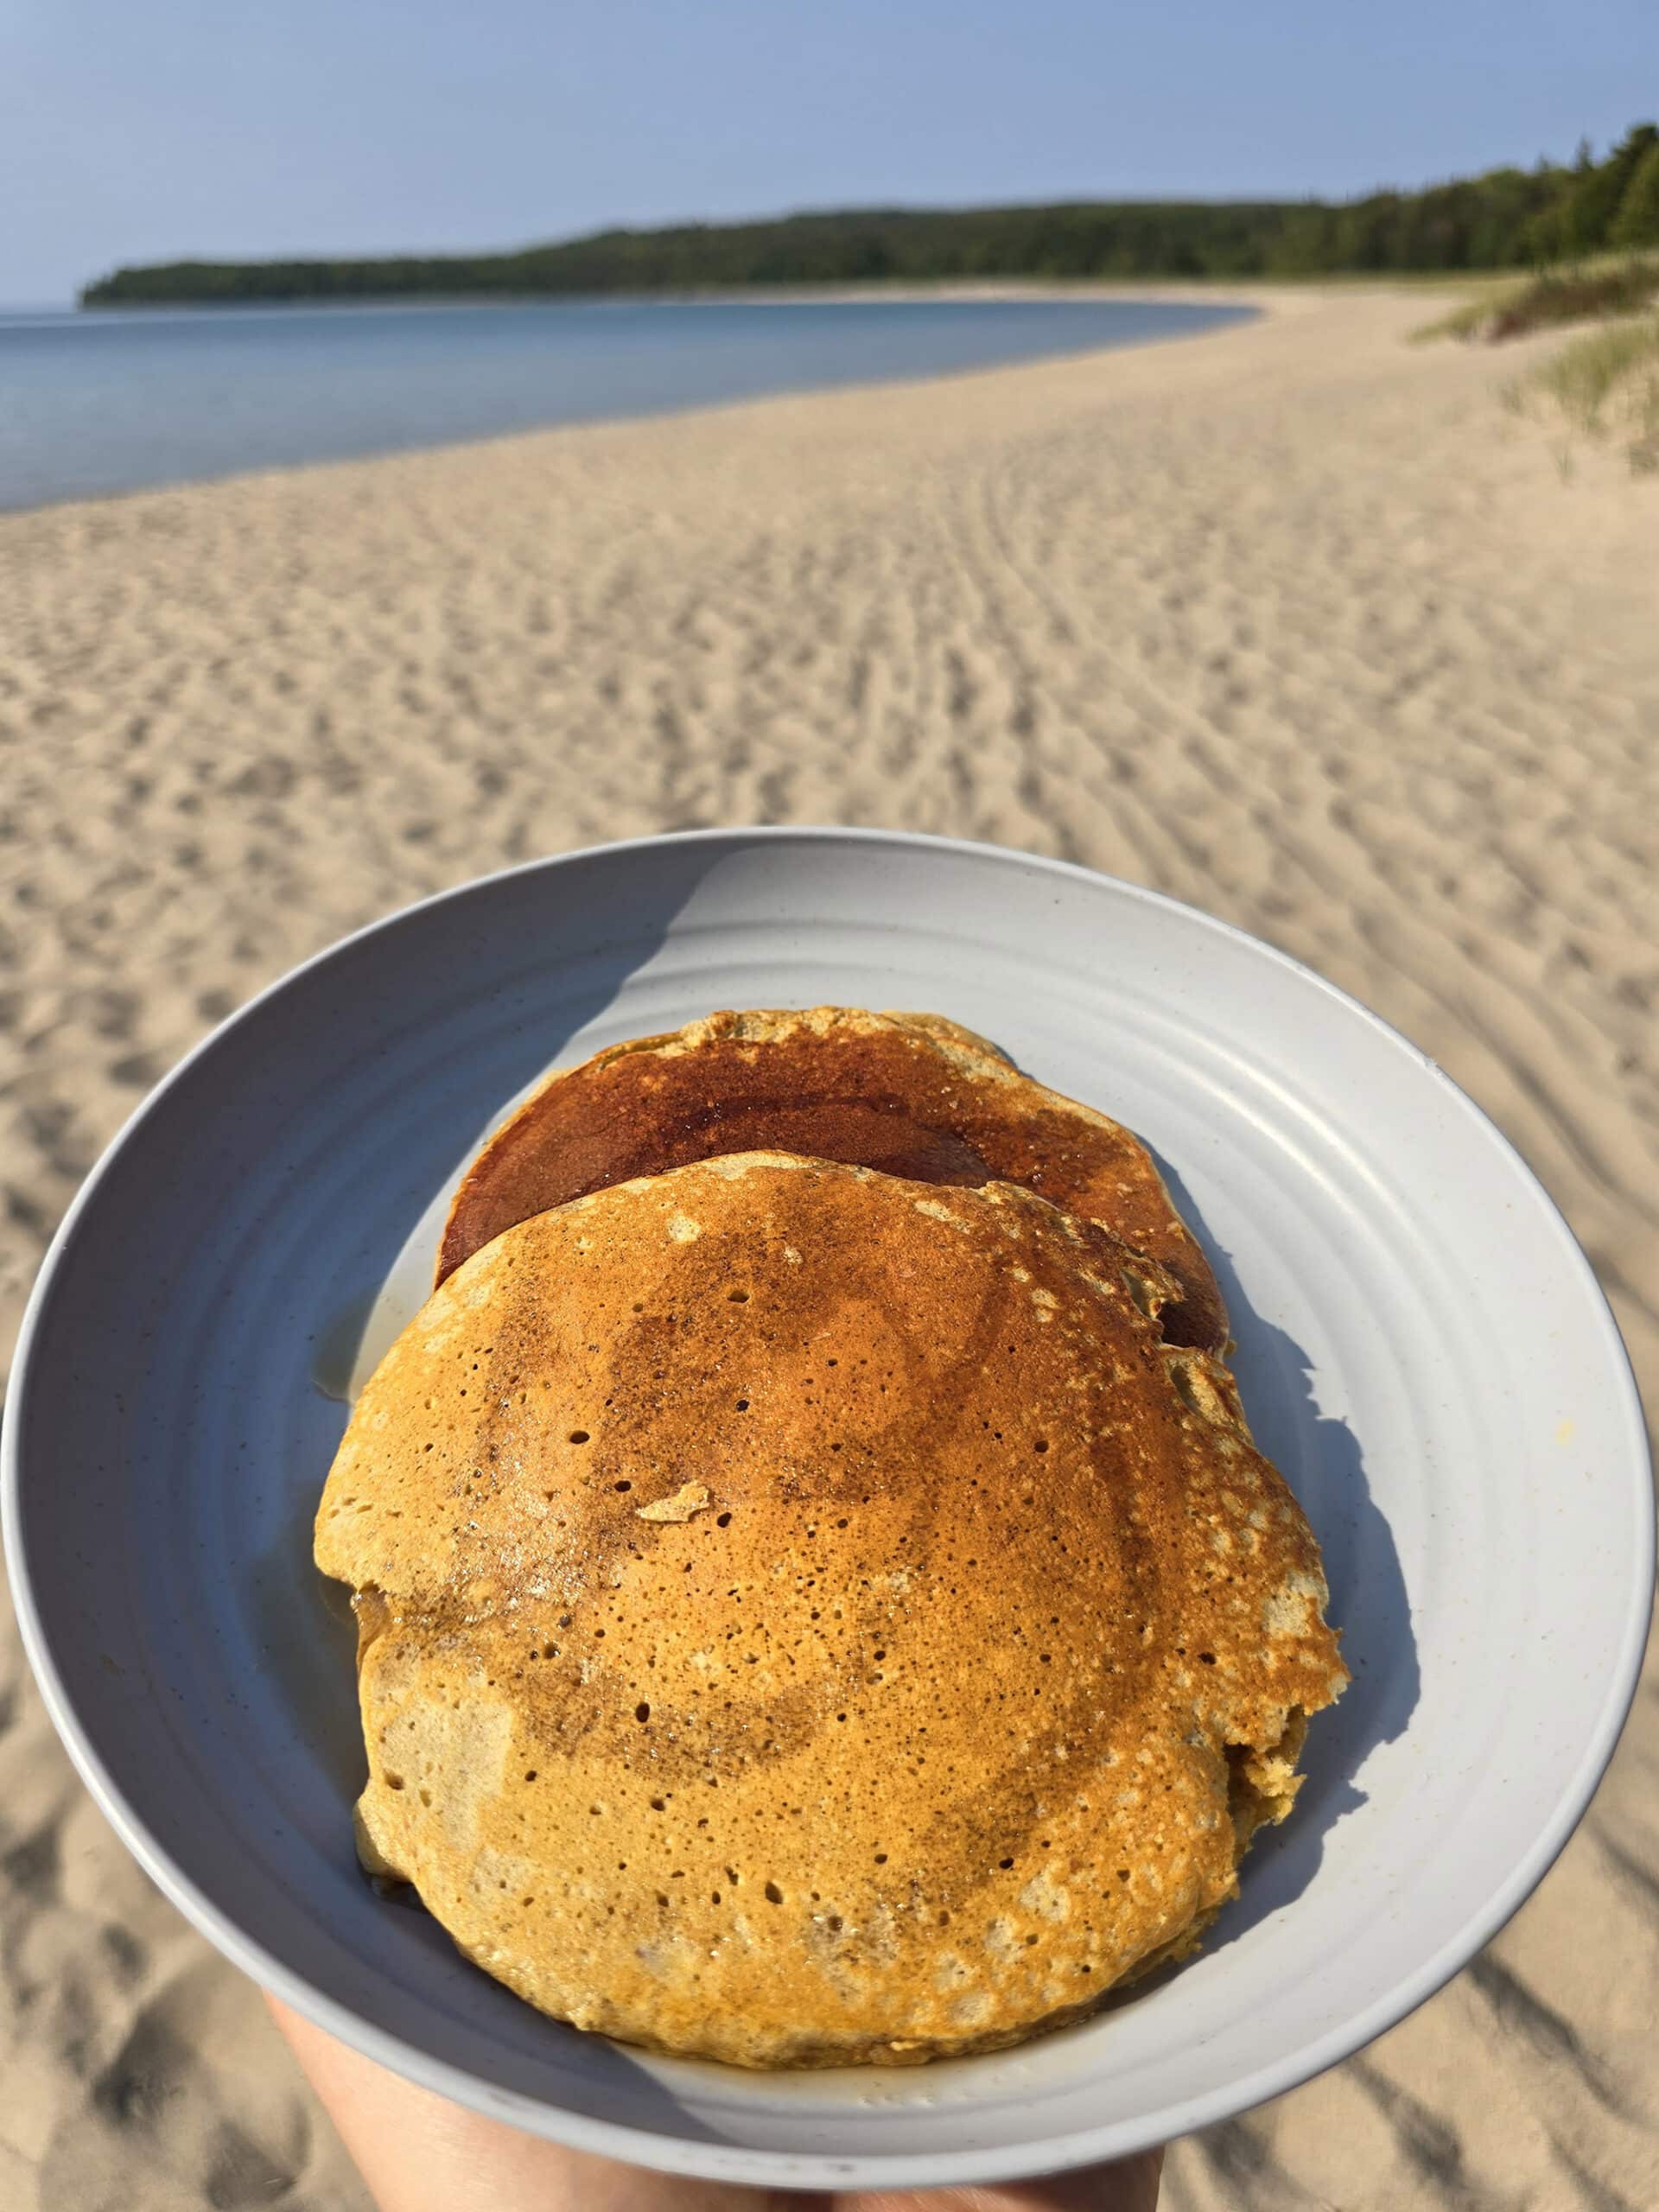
column 911, row 1095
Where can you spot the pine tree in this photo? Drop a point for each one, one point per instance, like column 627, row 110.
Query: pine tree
column 1637, row 221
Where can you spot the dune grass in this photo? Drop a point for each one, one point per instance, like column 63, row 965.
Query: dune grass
column 1593, row 292
column 1469, row 319
column 1605, row 383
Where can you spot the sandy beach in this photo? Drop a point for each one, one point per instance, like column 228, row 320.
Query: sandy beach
column 1293, row 620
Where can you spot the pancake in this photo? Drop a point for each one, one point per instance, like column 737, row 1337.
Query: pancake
column 808, row 1618
column 914, row 1095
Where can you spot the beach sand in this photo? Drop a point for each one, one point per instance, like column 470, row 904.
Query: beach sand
column 1293, row 620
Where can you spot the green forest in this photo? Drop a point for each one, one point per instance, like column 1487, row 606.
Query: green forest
column 1507, row 219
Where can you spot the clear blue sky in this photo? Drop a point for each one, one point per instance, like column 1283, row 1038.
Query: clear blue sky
column 139, row 130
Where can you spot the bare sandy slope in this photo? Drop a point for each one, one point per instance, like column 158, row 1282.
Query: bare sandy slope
column 1292, row 621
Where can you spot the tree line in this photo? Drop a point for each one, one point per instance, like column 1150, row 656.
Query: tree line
column 1509, row 218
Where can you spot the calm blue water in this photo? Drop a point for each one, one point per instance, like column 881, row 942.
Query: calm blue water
column 114, row 401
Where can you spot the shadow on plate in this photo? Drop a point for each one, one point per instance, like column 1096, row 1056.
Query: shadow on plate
column 302, row 1625
column 1369, row 1601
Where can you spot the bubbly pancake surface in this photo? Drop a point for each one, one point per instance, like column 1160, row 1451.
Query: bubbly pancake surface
column 914, row 1095
column 810, row 1616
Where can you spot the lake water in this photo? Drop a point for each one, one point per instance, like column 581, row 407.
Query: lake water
column 117, row 401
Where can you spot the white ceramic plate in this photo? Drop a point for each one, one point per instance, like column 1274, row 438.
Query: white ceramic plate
column 1423, row 1349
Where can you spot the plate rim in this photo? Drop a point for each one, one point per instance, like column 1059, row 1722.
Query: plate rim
column 727, row 2162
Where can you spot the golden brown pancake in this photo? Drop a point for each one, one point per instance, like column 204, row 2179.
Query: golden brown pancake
column 910, row 1093
column 810, row 1617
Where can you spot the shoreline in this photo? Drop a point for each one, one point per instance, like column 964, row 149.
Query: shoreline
column 1233, row 311
column 947, row 290
column 1264, row 293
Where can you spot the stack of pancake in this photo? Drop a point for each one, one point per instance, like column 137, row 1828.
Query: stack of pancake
column 818, row 1598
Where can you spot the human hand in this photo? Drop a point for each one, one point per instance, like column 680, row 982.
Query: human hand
column 418, row 2152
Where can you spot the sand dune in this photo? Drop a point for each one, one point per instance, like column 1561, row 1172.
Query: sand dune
column 1293, row 620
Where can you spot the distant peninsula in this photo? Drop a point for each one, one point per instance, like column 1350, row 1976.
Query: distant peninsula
column 1509, row 218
